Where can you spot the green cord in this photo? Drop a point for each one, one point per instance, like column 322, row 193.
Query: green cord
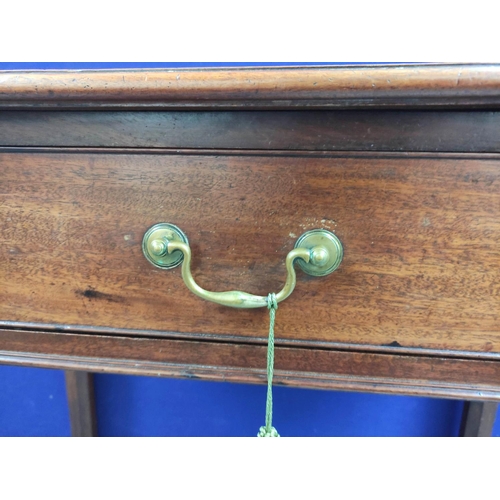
column 268, row 430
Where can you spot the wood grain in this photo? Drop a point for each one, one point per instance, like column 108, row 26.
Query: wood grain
column 313, row 368
column 278, row 88
column 387, row 130
column 421, row 266
column 244, row 161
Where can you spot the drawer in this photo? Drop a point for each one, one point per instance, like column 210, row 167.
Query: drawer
column 420, row 268
column 406, row 175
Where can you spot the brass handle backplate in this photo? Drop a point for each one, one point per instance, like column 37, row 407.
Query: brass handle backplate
column 318, row 252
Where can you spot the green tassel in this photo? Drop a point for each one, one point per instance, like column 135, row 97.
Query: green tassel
column 268, row 430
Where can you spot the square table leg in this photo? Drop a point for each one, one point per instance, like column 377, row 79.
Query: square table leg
column 80, row 391
column 478, row 418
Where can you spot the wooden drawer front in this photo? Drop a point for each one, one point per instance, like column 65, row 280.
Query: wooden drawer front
column 420, row 234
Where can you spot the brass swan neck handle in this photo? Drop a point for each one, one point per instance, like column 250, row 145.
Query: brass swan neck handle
column 318, row 252
column 235, row 298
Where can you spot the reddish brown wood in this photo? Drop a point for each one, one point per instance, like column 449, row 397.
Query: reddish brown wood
column 323, row 87
column 294, row 366
column 432, row 131
column 414, row 307
column 81, row 403
column 478, row 418
column 420, row 236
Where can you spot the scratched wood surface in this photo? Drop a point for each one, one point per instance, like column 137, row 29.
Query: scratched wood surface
column 421, row 267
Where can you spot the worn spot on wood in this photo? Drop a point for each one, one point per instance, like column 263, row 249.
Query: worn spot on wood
column 90, row 293
column 394, row 343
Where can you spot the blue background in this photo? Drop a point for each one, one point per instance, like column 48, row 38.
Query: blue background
column 33, row 401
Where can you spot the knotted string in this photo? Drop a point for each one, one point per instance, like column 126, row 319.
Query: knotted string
column 268, row 430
